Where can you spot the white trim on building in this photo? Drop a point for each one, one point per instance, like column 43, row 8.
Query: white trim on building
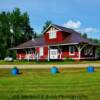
column 41, row 51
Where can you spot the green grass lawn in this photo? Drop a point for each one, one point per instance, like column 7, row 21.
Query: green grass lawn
column 40, row 84
column 2, row 62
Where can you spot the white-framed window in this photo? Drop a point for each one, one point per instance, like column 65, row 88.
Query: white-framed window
column 41, row 51
column 71, row 50
column 85, row 51
column 91, row 51
column 88, row 51
column 52, row 35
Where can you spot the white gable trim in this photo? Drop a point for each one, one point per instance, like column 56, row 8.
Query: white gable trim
column 41, row 51
column 51, row 25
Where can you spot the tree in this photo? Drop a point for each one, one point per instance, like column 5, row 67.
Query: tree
column 4, row 33
column 37, row 35
column 19, row 23
column 14, row 29
column 84, row 35
column 46, row 24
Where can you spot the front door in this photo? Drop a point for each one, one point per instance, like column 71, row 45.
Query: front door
column 53, row 53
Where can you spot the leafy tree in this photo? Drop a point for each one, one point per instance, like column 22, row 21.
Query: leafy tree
column 91, row 39
column 14, row 29
column 19, row 24
column 85, row 35
column 37, row 35
column 46, row 24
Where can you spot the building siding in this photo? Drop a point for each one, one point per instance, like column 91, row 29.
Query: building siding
column 58, row 39
column 45, row 52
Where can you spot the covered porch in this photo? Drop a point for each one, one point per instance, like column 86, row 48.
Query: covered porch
column 25, row 54
column 73, row 51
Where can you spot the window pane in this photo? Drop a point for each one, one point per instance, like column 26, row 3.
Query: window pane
column 41, row 51
column 71, row 49
column 52, row 35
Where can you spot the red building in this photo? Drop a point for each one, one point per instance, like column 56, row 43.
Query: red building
column 57, row 42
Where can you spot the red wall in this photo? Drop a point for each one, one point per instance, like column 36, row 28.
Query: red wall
column 45, row 52
column 22, row 55
column 58, row 39
column 66, row 54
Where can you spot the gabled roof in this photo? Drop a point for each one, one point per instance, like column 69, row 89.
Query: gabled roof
column 61, row 28
column 73, row 38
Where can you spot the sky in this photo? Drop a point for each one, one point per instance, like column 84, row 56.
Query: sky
column 81, row 15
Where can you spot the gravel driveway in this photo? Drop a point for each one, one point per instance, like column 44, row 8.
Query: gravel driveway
column 49, row 66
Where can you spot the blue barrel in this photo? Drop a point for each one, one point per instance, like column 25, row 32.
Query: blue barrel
column 90, row 69
column 15, row 71
column 54, row 70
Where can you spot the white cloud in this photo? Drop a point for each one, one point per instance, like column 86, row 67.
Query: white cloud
column 91, row 30
column 88, row 30
column 77, row 25
column 72, row 24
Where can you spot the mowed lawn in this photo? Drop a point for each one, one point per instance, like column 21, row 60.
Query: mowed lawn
column 40, row 84
column 70, row 61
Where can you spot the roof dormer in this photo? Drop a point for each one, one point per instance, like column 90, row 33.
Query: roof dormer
column 53, row 34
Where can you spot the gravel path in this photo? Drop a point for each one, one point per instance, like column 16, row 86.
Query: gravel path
column 49, row 66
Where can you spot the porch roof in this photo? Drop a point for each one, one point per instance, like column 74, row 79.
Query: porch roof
column 30, row 44
column 70, row 40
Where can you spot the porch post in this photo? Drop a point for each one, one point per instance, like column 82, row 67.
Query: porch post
column 79, row 50
column 28, row 54
column 48, row 53
column 16, row 54
column 60, row 52
column 20, row 57
column 95, row 54
column 34, row 53
column 37, row 56
column 25, row 54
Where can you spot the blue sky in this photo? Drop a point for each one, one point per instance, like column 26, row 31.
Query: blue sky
column 81, row 15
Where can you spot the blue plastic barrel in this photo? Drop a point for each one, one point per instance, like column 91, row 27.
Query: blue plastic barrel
column 54, row 70
column 15, row 71
column 90, row 69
